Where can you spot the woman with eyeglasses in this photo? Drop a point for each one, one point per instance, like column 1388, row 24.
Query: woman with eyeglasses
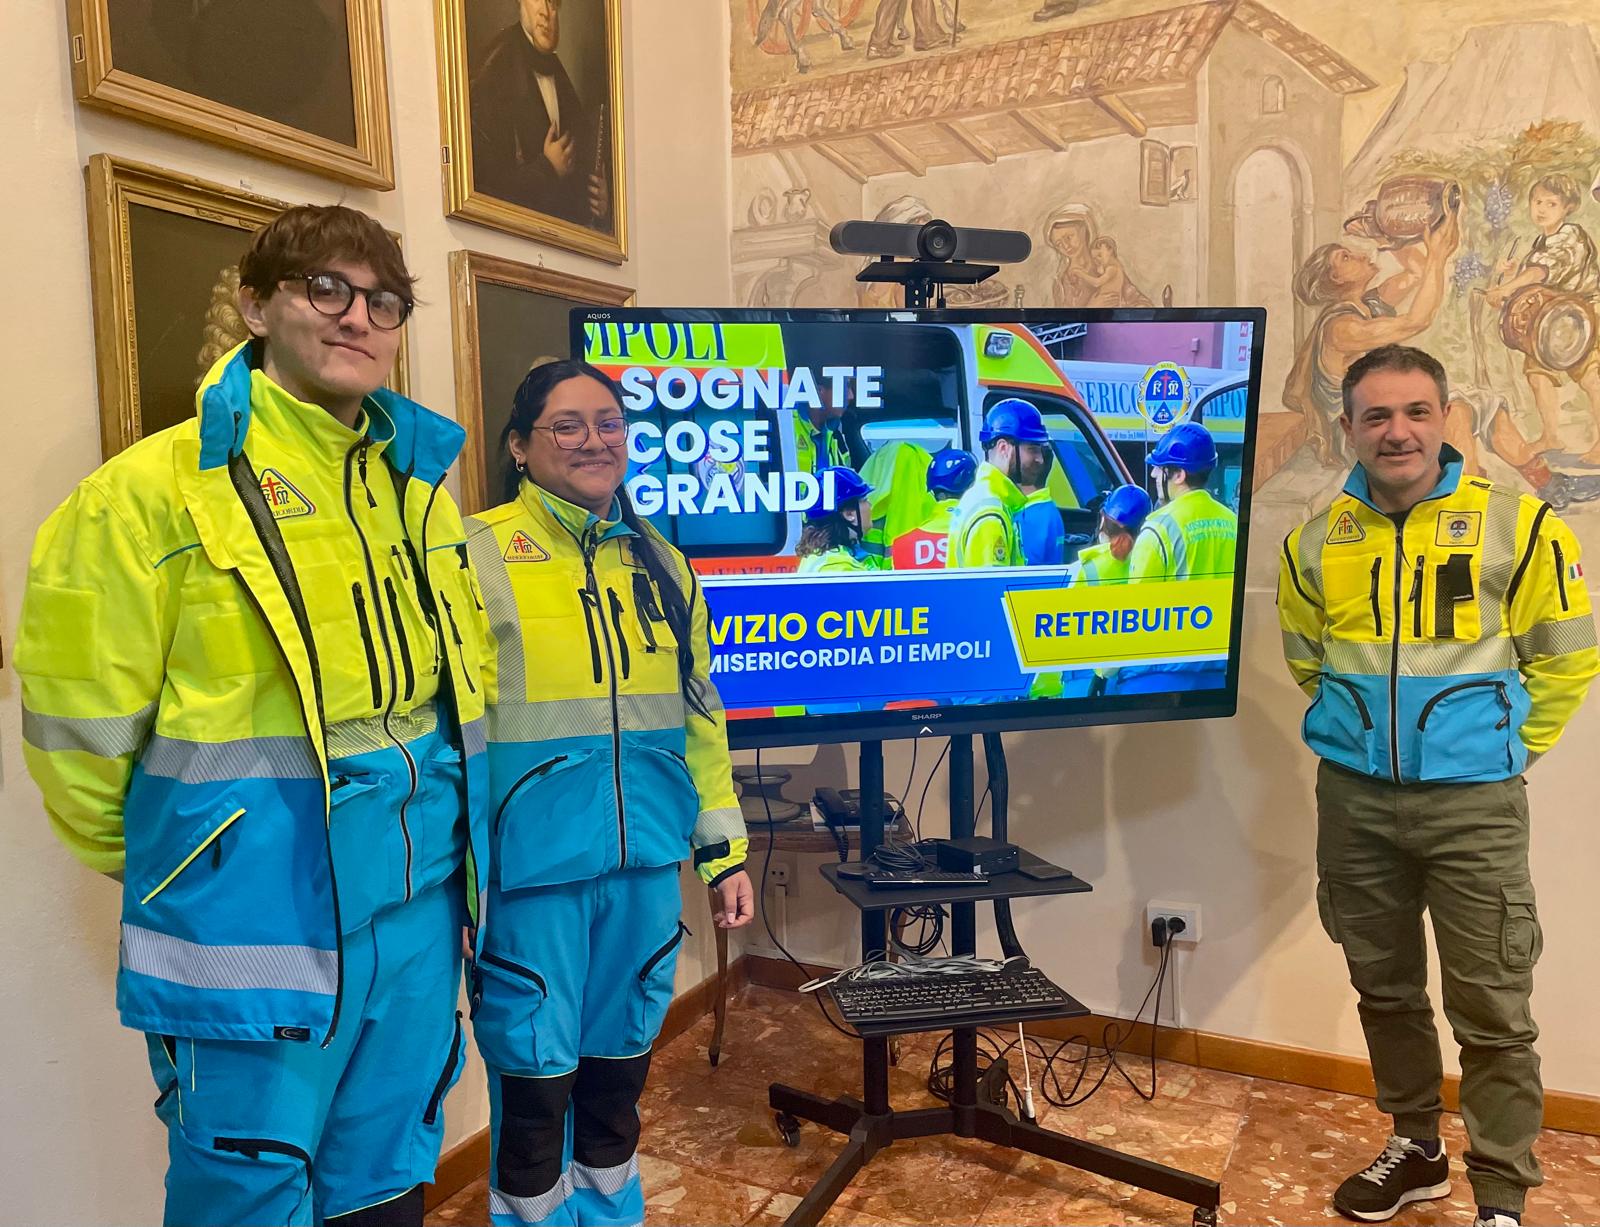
column 608, row 765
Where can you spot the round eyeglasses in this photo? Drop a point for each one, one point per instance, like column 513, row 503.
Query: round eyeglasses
column 331, row 294
column 571, row 434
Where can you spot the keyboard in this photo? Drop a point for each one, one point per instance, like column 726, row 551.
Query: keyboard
column 992, row 994
column 903, row 878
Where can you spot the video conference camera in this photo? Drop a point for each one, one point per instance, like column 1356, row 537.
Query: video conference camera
column 924, row 257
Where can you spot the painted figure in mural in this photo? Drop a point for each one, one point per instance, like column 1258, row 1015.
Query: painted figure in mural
column 1109, row 282
column 1051, row 9
column 1562, row 258
column 534, row 142
column 1071, row 234
column 889, row 30
column 782, row 13
column 1481, row 418
column 1357, row 316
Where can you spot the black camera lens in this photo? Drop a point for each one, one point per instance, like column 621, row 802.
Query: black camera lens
column 937, row 241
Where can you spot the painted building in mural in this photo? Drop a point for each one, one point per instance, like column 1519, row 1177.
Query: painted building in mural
column 1432, row 176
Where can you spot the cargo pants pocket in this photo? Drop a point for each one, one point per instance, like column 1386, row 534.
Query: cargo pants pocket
column 1325, row 912
column 1521, row 939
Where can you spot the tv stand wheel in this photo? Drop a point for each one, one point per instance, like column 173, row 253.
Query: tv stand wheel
column 788, row 1128
column 1204, row 1217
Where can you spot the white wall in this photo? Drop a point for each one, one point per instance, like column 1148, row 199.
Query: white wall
column 80, row 1143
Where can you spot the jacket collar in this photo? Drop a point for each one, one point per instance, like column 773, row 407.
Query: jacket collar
column 1450, row 464
column 420, row 443
column 580, row 522
column 997, row 484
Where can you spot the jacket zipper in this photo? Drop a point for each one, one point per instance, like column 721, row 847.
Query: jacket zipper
column 593, row 586
column 1377, row 608
column 366, row 642
column 1561, row 574
column 1500, row 690
column 616, row 625
column 516, row 969
column 543, row 768
column 455, row 634
column 388, row 651
column 594, row 640
column 1361, row 707
column 242, row 474
column 400, row 635
column 439, row 1088
column 1416, row 601
column 1394, row 652
column 644, row 605
column 672, row 942
column 213, row 840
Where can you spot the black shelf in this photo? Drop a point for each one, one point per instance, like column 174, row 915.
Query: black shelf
column 1071, row 1008
column 1000, row 886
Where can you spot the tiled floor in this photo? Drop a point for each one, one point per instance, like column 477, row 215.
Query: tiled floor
column 711, row 1154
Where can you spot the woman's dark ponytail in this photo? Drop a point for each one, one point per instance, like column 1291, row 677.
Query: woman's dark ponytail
column 649, row 550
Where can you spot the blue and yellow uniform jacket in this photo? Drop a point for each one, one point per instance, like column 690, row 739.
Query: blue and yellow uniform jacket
column 596, row 762
column 179, row 714
column 1450, row 644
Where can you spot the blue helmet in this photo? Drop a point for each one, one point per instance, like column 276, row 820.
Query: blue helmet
column 848, row 487
column 1187, row 446
column 1013, row 419
column 1127, row 506
column 951, row 471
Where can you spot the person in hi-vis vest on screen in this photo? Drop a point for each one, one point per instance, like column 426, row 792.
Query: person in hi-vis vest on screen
column 608, row 765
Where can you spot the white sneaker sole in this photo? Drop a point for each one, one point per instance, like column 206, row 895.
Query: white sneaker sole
column 1431, row 1193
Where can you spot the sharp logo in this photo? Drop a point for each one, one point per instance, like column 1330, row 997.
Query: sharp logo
column 921, row 719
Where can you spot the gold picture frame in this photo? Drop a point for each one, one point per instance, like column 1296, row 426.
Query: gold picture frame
column 508, row 196
column 171, row 218
column 488, row 371
column 127, row 63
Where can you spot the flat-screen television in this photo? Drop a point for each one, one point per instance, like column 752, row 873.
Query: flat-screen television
column 899, row 518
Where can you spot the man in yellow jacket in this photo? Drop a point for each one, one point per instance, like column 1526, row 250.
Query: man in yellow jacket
column 250, row 693
column 1441, row 628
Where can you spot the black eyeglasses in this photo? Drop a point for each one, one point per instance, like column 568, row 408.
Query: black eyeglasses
column 331, row 294
column 571, row 434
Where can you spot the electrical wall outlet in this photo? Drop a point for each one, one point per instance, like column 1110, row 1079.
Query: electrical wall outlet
column 778, row 876
column 1189, row 913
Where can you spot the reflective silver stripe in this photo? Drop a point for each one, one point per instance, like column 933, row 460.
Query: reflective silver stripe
column 709, row 696
column 586, row 717
column 715, row 825
column 1555, row 638
column 607, row 1181
column 530, row 1209
column 1308, row 557
column 363, row 736
column 208, row 762
column 500, row 605
column 1298, row 647
column 473, row 737
column 107, row 736
column 296, row 969
column 1447, row 659
column 1342, row 656
column 1497, row 558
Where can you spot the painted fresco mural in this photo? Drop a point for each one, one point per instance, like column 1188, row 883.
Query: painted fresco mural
column 1426, row 173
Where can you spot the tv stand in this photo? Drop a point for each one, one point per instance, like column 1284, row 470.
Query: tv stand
column 977, row 1105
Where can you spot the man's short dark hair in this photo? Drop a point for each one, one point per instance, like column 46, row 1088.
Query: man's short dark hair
column 1400, row 358
column 308, row 238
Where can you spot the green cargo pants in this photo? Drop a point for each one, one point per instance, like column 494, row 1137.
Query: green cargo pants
column 1384, row 853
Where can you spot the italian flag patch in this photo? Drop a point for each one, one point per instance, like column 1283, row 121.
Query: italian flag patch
column 1575, row 571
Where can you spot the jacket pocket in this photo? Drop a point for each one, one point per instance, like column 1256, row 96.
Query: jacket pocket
column 204, row 836
column 506, row 998
column 1465, row 732
column 1339, row 726
column 663, row 804
column 557, row 822
column 1521, row 939
column 655, row 978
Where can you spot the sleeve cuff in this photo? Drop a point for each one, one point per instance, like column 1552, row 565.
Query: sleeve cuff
column 717, row 861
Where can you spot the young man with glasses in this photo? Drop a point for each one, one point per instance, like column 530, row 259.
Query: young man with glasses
column 251, row 695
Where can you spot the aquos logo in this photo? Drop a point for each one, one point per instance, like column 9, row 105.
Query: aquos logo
column 1164, row 395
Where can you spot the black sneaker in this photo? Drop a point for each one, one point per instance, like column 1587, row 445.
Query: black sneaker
column 1402, row 1174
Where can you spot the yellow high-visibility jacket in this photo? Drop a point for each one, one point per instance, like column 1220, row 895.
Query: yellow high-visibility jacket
column 1450, row 644
column 171, row 691
column 596, row 761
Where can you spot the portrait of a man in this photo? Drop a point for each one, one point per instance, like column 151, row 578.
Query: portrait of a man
column 542, row 116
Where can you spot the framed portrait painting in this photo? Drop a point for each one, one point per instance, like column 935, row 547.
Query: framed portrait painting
column 531, row 99
column 164, row 252
column 508, row 317
column 299, row 81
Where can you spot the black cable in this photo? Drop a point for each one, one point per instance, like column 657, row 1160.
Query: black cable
column 766, row 921
column 926, row 785
column 911, row 775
